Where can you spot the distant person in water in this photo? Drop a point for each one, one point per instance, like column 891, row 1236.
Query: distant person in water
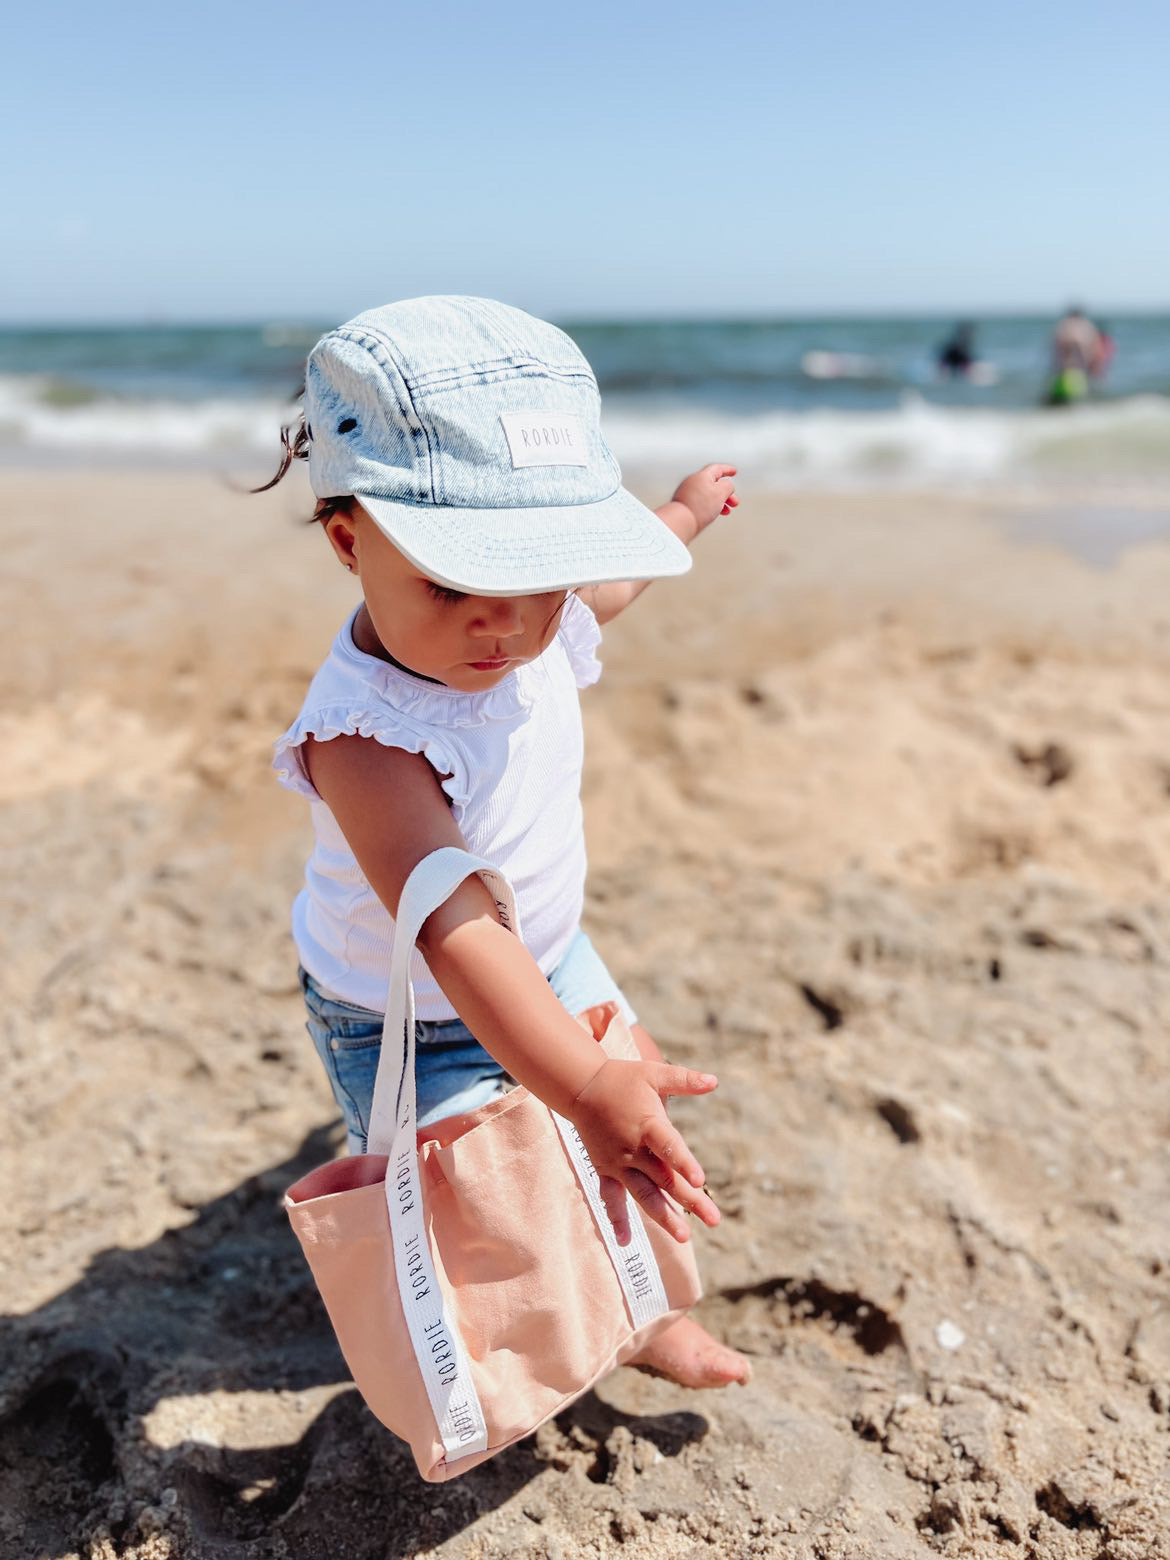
column 956, row 356
column 1106, row 349
column 1076, row 350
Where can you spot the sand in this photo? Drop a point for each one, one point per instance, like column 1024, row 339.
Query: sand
column 878, row 809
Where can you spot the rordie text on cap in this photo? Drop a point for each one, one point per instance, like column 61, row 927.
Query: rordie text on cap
column 545, row 438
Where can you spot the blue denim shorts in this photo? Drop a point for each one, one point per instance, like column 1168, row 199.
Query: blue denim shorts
column 452, row 1070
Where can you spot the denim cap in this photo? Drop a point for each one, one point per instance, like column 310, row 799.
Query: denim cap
column 471, row 433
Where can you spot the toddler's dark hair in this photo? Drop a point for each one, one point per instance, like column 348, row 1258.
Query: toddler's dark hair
column 296, row 447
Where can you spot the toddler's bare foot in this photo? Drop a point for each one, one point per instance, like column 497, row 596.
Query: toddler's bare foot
column 688, row 1354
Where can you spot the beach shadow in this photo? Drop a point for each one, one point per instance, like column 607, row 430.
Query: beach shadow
column 226, row 1304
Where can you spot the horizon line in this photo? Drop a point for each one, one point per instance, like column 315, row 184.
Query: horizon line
column 617, row 317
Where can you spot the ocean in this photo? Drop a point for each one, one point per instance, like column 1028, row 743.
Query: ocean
column 821, row 402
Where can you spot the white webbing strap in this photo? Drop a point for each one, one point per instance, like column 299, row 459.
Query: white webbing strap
column 636, row 1265
column 437, row 1345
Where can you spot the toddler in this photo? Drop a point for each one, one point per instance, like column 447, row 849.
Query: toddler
column 455, row 449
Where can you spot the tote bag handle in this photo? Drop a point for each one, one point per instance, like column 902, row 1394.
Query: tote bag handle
column 434, row 1335
column 437, row 1345
column 431, row 884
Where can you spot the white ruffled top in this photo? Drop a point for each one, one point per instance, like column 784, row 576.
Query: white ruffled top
column 510, row 761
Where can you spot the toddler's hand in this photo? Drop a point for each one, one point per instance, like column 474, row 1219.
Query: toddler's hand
column 623, row 1123
column 708, row 494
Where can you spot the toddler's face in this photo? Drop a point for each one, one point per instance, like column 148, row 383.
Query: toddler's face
column 468, row 642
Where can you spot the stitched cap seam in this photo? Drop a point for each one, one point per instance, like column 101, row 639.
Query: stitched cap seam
column 506, row 369
column 378, row 339
column 491, row 509
column 468, row 370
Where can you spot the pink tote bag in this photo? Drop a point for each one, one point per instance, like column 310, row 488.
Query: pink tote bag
column 468, row 1267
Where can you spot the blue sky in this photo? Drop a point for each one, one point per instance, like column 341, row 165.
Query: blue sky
column 293, row 161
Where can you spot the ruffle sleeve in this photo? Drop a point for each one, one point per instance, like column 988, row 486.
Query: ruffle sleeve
column 580, row 634
column 381, row 722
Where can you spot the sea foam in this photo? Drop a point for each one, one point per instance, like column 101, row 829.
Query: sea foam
column 916, row 443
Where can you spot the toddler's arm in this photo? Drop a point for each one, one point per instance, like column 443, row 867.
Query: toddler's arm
column 389, row 805
column 698, row 500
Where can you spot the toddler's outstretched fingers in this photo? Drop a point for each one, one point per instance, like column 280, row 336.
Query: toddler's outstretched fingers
column 691, row 1198
column 669, row 1147
column 682, row 1080
column 655, row 1205
column 613, row 1197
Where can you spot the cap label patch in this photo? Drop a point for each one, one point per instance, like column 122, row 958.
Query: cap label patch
column 546, row 438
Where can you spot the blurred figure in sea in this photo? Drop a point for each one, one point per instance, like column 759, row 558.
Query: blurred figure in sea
column 957, row 358
column 1076, row 349
column 957, row 353
column 1106, row 349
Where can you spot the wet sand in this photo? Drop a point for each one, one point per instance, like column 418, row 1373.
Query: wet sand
column 878, row 810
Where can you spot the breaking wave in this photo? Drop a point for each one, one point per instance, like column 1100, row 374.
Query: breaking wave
column 913, row 443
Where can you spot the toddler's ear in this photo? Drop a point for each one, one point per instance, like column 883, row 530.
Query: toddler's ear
column 342, row 534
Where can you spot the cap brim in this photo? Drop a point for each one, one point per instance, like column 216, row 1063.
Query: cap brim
column 510, row 552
